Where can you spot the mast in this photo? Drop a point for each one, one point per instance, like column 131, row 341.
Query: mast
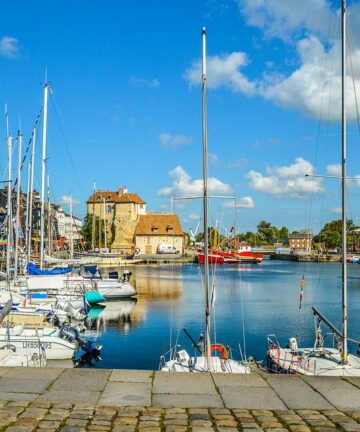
column 205, row 179
column 49, row 216
column 9, row 206
column 18, row 204
column 27, row 204
column 93, row 221
column 71, row 230
column 43, row 171
column 31, row 192
column 344, row 353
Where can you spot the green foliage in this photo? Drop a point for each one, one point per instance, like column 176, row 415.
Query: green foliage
column 331, row 233
column 86, row 231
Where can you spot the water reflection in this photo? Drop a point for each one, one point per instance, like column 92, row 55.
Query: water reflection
column 117, row 314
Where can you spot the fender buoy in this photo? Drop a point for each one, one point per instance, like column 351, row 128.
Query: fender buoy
column 221, row 349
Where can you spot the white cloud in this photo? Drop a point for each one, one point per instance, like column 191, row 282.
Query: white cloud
column 65, row 199
column 333, row 170
column 223, row 71
column 284, row 18
column 151, row 83
column 245, row 202
column 9, row 47
column 286, row 180
column 311, row 82
column 170, row 141
column 184, row 186
column 194, row 216
column 336, row 210
column 239, row 163
column 213, row 159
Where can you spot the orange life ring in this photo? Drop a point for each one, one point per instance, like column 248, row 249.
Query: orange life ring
column 221, row 348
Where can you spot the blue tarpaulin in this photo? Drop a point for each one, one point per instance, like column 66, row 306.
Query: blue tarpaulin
column 32, row 269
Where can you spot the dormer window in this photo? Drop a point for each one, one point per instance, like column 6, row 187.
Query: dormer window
column 154, row 228
column 169, row 228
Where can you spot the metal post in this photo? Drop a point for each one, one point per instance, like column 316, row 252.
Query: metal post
column 18, row 204
column 205, row 179
column 31, row 193
column 43, row 172
column 344, row 355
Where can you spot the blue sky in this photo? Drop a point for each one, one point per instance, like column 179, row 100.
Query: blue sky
column 125, row 107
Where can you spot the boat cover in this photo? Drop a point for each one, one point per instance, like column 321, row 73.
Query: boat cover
column 32, row 269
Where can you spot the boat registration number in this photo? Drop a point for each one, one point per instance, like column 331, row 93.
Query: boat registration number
column 45, row 345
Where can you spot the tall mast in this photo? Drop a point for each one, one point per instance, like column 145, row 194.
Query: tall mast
column 27, row 204
column 18, row 204
column 93, row 221
column 71, row 230
column 31, row 193
column 205, row 179
column 9, row 206
column 344, row 354
column 49, row 216
column 43, row 171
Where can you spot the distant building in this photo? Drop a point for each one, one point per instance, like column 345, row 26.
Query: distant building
column 68, row 227
column 300, row 241
column 154, row 229
column 121, row 210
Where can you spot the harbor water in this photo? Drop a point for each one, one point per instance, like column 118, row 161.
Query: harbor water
column 251, row 301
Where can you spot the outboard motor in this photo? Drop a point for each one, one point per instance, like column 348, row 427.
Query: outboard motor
column 126, row 276
column 293, row 344
column 72, row 334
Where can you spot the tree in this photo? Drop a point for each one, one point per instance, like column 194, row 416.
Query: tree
column 86, row 231
column 331, row 233
column 265, row 232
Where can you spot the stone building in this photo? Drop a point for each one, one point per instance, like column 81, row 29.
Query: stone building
column 300, row 241
column 154, row 229
column 121, row 210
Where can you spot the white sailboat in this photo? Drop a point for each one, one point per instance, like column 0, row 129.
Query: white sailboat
column 206, row 361
column 319, row 360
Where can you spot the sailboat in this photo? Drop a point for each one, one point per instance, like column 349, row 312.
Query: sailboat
column 320, row 360
column 206, row 361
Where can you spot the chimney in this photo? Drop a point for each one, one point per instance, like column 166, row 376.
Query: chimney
column 121, row 191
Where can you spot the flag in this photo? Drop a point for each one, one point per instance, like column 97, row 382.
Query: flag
column 232, row 232
column 302, row 284
column 213, row 296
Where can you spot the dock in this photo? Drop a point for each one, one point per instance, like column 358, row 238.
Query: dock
column 79, row 400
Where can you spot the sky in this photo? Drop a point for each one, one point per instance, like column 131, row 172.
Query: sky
column 125, row 104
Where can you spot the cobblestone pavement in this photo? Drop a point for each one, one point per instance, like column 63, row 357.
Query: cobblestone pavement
column 65, row 417
column 79, row 400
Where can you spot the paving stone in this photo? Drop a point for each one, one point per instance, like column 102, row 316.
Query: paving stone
column 84, row 379
column 174, row 428
column 31, row 422
column 128, row 412
column 37, row 413
column 18, row 385
column 203, row 429
column 76, row 422
column 25, row 398
column 175, row 416
column 72, row 429
column 226, row 429
column 299, row 428
column 131, row 376
column 98, row 428
column 45, row 424
column 200, row 423
column 185, row 401
column 175, row 411
column 199, row 416
column 101, row 422
column 341, row 394
column 128, row 421
column 72, row 396
column 148, row 424
column 184, row 384
column 180, row 422
column 123, row 428
column 19, row 429
column 226, row 423
column 125, row 394
column 296, row 393
column 150, row 429
column 350, row 427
